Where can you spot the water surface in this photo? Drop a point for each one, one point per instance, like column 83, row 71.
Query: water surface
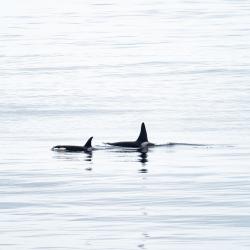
column 76, row 69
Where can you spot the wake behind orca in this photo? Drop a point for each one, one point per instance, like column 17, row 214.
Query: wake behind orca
column 69, row 148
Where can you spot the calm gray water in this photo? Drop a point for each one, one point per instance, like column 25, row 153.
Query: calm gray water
column 73, row 69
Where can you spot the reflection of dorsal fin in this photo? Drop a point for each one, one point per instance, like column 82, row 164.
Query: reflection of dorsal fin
column 143, row 134
column 88, row 143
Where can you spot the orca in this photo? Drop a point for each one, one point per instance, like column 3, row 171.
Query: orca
column 141, row 142
column 68, row 148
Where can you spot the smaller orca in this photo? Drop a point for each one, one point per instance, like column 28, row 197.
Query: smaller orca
column 68, row 148
column 141, row 142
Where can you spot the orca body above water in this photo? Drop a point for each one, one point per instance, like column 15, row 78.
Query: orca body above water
column 69, row 148
column 141, row 142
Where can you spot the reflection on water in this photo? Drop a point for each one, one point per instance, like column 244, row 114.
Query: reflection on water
column 73, row 156
column 76, row 156
column 142, row 246
column 143, row 159
column 89, row 156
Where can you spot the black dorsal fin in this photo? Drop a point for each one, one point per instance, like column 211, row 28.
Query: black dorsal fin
column 143, row 137
column 88, row 143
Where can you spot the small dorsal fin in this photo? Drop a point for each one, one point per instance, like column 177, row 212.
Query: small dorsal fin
column 143, row 137
column 88, row 143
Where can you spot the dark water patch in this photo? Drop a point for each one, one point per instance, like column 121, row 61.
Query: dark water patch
column 57, row 248
column 38, row 112
column 6, row 245
column 16, row 205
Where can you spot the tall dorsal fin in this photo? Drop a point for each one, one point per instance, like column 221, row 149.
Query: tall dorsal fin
column 143, row 137
column 88, row 143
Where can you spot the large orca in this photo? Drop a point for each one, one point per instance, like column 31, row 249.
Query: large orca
column 68, row 148
column 141, row 142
